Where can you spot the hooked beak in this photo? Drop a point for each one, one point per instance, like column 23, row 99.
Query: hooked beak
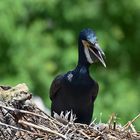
column 95, row 52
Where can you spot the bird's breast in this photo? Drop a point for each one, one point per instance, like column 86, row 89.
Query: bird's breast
column 77, row 88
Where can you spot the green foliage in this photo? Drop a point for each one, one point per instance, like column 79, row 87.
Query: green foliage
column 38, row 40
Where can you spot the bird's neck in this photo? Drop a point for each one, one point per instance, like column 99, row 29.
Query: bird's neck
column 83, row 69
column 83, row 65
column 82, row 60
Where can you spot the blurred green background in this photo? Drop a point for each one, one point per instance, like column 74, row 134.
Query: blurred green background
column 38, row 40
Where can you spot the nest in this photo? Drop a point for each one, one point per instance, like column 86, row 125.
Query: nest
column 21, row 119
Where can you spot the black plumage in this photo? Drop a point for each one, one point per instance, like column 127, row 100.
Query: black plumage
column 76, row 91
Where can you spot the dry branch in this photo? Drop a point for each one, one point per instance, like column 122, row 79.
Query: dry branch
column 21, row 119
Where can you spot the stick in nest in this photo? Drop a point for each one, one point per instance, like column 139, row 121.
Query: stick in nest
column 43, row 128
column 126, row 126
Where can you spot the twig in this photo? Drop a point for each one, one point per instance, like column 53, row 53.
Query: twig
column 84, row 134
column 20, row 129
column 45, row 129
column 133, row 129
column 93, row 122
column 130, row 122
column 28, row 112
column 114, row 125
column 111, row 119
column 97, row 138
column 50, row 117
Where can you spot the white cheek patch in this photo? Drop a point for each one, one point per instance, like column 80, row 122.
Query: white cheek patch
column 88, row 55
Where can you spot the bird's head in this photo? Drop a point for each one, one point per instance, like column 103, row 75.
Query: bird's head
column 92, row 50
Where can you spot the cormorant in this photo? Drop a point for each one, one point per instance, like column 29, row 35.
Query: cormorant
column 76, row 91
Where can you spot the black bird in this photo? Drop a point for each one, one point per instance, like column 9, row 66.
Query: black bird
column 76, row 91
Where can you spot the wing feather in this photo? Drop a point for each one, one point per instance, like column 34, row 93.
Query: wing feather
column 95, row 91
column 55, row 86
